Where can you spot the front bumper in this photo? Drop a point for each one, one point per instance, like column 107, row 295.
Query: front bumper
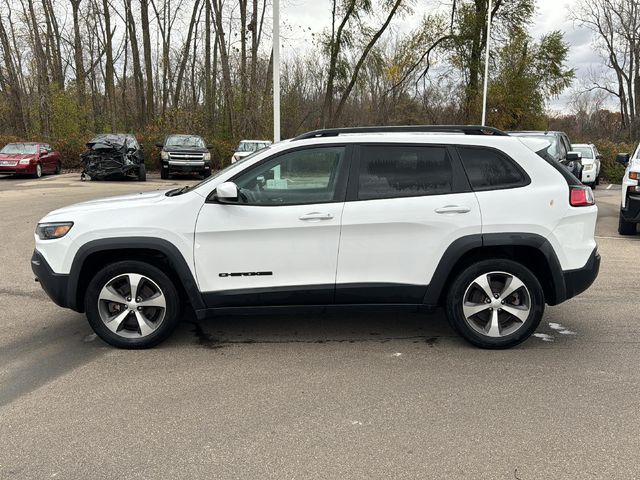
column 186, row 166
column 578, row 280
column 17, row 169
column 55, row 285
column 631, row 211
column 588, row 176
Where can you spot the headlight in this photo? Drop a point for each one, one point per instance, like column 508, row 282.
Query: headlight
column 207, row 156
column 25, row 161
column 53, row 230
column 588, row 166
column 164, row 155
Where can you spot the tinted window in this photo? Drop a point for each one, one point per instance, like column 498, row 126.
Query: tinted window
column 303, row 176
column 403, row 171
column 489, row 169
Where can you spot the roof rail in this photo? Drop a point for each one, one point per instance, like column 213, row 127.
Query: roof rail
column 466, row 129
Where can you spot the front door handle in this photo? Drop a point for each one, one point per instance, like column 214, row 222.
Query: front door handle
column 316, row 216
column 452, row 209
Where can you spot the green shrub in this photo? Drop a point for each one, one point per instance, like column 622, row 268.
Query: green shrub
column 611, row 171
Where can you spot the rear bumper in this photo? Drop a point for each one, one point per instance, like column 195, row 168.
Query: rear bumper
column 55, row 285
column 578, row 280
column 631, row 211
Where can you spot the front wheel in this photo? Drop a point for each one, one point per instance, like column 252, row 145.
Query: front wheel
column 624, row 227
column 58, row 168
column 38, row 172
column 132, row 304
column 164, row 173
column 142, row 173
column 495, row 303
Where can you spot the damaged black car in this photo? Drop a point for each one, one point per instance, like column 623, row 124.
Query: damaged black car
column 113, row 156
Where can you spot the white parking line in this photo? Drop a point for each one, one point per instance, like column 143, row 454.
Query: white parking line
column 617, row 238
column 609, row 186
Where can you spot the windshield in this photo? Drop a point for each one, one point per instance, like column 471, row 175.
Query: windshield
column 251, row 146
column 20, row 148
column 585, row 151
column 184, row 141
column 229, row 167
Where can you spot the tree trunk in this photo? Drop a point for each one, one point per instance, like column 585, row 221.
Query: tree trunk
column 146, row 41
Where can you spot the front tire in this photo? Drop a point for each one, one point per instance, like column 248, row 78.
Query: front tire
column 58, row 168
column 38, row 172
column 142, row 173
column 132, row 304
column 624, row 227
column 164, row 173
column 495, row 303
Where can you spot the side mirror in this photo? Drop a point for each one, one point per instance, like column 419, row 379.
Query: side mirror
column 227, row 192
column 623, row 159
column 160, row 145
column 209, row 146
column 599, row 156
column 574, row 156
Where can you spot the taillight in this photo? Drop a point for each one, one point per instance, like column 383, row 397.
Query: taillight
column 581, row 196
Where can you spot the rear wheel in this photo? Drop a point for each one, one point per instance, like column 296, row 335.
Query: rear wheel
column 624, row 227
column 132, row 304
column 495, row 303
column 142, row 173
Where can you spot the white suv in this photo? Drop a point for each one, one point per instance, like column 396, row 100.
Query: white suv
column 630, row 194
column 464, row 217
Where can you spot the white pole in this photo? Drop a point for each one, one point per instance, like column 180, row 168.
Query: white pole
column 276, row 70
column 486, row 68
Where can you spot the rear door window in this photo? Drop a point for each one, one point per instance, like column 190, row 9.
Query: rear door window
column 390, row 171
column 488, row 169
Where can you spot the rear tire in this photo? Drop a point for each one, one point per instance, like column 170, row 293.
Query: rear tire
column 142, row 173
column 118, row 315
column 626, row 228
column 503, row 320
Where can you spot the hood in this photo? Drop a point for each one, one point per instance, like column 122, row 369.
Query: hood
column 16, row 156
column 588, row 161
column 185, row 149
column 127, row 202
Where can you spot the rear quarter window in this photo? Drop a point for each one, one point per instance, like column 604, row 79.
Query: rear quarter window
column 489, row 169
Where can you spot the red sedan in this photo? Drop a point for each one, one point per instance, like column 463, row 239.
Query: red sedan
column 29, row 158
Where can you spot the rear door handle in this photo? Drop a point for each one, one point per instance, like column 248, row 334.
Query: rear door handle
column 452, row 209
column 316, row 216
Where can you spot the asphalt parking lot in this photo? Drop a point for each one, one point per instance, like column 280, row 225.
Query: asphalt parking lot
column 382, row 395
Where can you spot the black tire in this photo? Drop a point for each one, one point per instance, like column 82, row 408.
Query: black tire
column 142, row 173
column 597, row 180
column 164, row 173
column 58, row 168
column 38, row 173
column 107, row 274
column 626, row 228
column 466, row 278
column 206, row 174
column 593, row 185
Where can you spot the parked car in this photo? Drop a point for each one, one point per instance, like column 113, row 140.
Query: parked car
column 335, row 219
column 184, row 154
column 590, row 163
column 247, row 147
column 630, row 202
column 560, row 148
column 29, row 158
column 112, row 156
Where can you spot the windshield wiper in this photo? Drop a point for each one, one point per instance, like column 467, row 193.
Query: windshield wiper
column 178, row 191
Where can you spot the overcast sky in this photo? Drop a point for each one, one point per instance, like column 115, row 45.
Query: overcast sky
column 301, row 18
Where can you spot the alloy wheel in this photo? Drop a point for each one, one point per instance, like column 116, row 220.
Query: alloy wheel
column 496, row 304
column 132, row 305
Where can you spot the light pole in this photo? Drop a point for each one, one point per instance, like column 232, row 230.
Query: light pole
column 486, row 67
column 276, row 71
